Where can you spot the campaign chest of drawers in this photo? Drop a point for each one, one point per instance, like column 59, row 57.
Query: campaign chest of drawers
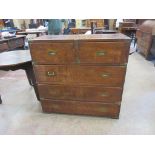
column 81, row 74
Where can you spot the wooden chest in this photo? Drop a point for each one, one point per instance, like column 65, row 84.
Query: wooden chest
column 145, row 35
column 81, row 74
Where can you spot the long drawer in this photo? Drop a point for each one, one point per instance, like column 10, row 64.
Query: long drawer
column 80, row 74
column 84, row 93
column 79, row 107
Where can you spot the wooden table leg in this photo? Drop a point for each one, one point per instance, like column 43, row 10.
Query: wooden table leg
column 38, row 34
column 28, row 74
column 0, row 100
column 31, row 77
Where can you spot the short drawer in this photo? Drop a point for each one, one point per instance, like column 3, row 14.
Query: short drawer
column 52, row 53
column 15, row 43
column 81, row 74
column 82, row 108
column 84, row 93
column 103, row 52
column 19, row 42
column 3, row 47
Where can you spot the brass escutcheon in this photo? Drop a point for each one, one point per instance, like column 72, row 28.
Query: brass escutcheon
column 55, row 106
column 52, row 53
column 100, row 53
column 77, row 60
column 102, row 109
column 51, row 74
column 105, row 75
column 104, row 94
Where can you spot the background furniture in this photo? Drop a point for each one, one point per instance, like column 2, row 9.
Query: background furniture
column 1, row 23
column 81, row 74
column 105, row 31
column 12, row 43
column 106, row 24
column 83, row 30
column 72, row 23
column 9, row 29
column 3, row 46
column 145, row 35
column 152, row 50
column 37, row 32
column 129, row 29
column 87, row 22
column 19, row 59
column 140, row 21
column 136, row 21
column 129, row 20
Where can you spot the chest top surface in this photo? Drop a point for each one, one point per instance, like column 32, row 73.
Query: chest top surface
column 81, row 37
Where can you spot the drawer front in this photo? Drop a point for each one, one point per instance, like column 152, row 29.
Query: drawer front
column 52, row 53
column 51, row 73
column 104, row 52
column 78, row 107
column 143, row 47
column 15, row 43
column 12, row 44
column 3, row 47
column 19, row 42
column 80, row 74
column 84, row 93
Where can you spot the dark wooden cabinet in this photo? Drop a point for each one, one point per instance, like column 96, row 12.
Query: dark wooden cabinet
column 145, row 35
column 128, row 28
column 12, row 43
column 152, row 50
column 81, row 74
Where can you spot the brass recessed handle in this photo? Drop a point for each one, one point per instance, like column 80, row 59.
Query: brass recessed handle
column 102, row 109
column 51, row 73
column 55, row 106
column 100, row 53
column 105, row 75
column 77, row 60
column 52, row 53
column 104, row 94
